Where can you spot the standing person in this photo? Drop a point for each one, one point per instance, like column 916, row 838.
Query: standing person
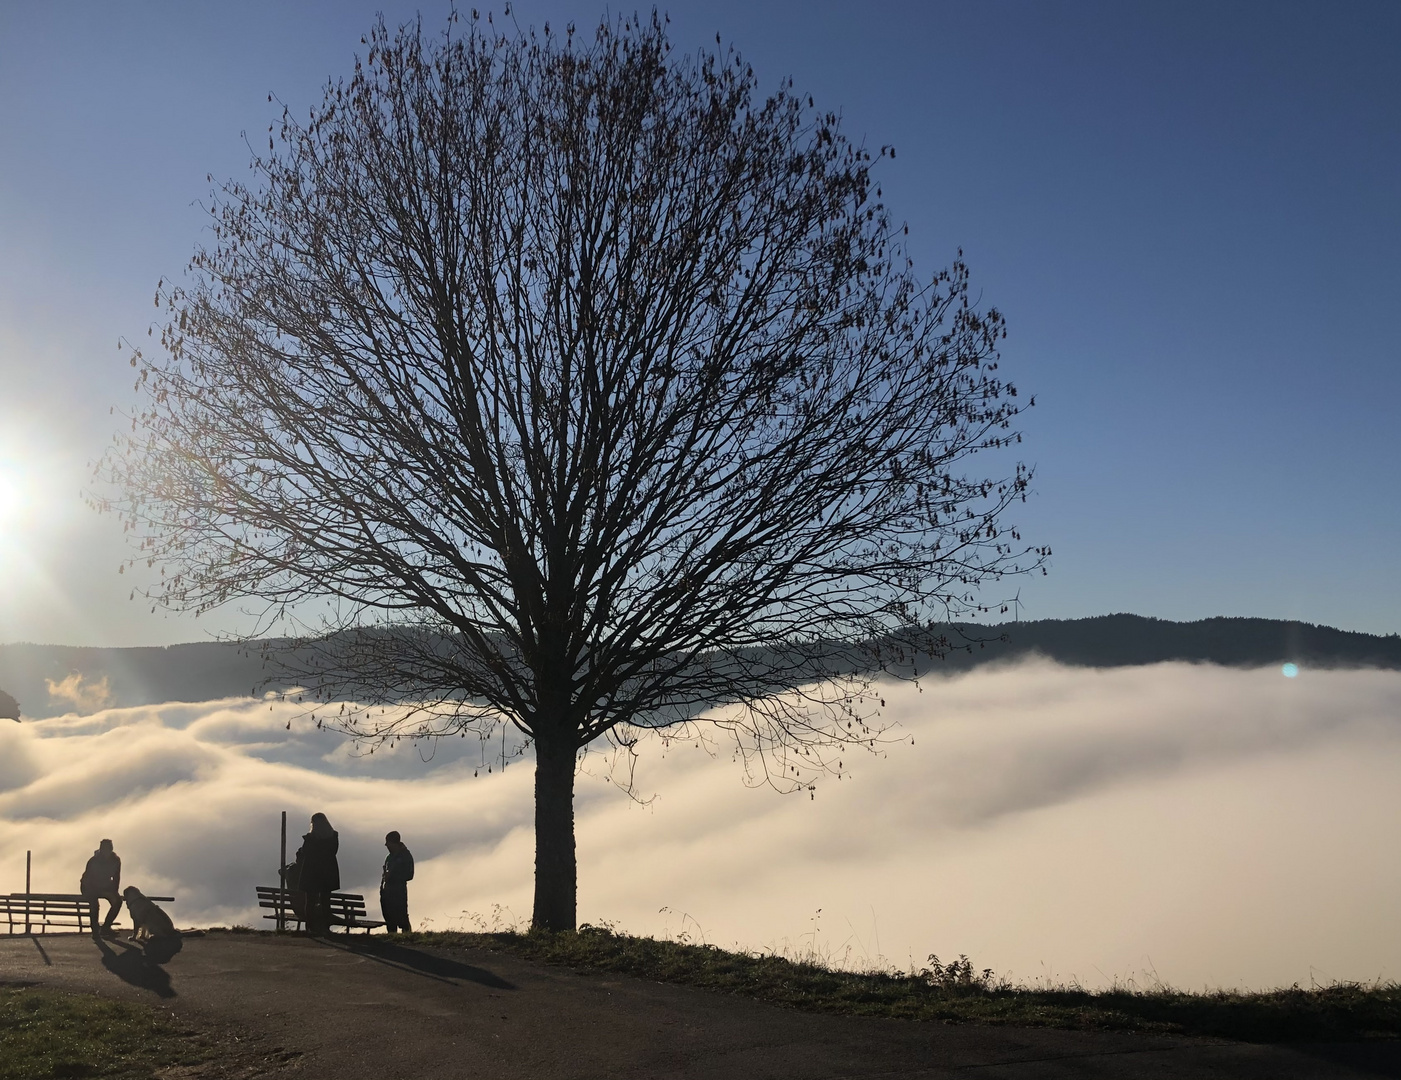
column 320, row 873
column 394, row 884
column 102, row 880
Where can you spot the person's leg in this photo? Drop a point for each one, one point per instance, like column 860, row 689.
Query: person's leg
column 92, row 915
column 394, row 903
column 318, row 912
column 114, row 909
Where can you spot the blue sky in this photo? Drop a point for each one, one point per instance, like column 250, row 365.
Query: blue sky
column 1190, row 214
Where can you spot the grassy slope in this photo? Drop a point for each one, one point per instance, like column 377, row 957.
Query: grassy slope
column 956, row 993
column 46, row 1033
column 49, row 1034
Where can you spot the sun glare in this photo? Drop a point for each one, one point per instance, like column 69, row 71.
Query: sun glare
column 11, row 501
column 17, row 505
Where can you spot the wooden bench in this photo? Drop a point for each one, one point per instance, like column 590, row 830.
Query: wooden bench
column 347, row 909
column 28, row 913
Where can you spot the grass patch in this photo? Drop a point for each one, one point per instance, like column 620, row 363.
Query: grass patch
column 48, row 1034
column 957, row 993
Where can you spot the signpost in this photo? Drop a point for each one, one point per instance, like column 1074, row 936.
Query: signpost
column 282, row 874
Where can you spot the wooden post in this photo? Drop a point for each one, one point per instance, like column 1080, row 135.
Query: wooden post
column 282, row 876
column 28, row 856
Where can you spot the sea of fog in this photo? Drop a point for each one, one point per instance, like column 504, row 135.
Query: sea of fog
column 1193, row 824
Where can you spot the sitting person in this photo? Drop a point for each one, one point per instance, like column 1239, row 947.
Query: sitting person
column 102, row 880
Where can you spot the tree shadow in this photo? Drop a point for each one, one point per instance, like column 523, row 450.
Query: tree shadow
column 439, row 968
column 133, row 966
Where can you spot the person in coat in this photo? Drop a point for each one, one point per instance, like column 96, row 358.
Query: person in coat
column 320, row 873
column 394, row 884
column 102, row 880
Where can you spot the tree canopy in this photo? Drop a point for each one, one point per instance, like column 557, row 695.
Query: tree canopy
column 590, row 392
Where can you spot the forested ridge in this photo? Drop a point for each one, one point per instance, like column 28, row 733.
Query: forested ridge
column 1124, row 640
column 209, row 670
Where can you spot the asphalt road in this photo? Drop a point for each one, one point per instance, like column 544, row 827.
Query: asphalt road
column 366, row 1007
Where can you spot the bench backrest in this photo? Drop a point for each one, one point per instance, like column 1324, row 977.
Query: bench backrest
column 347, row 907
column 272, row 892
column 45, row 910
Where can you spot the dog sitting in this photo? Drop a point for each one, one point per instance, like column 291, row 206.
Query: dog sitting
column 148, row 921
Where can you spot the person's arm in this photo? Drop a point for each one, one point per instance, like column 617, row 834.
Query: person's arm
column 398, row 867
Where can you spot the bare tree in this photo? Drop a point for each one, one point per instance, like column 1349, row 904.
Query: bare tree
column 591, row 394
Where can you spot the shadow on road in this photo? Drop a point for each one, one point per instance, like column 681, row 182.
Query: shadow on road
column 419, row 963
column 42, row 953
column 131, row 965
column 1379, row 1057
column 162, row 950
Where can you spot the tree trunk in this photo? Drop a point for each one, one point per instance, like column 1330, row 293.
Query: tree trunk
column 556, row 870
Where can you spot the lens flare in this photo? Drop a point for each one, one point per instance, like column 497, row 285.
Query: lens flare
column 1290, row 670
column 10, row 498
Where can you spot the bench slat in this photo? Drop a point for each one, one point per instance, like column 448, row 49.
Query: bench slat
column 72, row 897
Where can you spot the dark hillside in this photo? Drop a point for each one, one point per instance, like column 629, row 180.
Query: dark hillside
column 1122, row 640
column 143, row 676
column 201, row 672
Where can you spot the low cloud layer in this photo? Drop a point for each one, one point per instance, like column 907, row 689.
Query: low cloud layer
column 1205, row 825
column 79, row 694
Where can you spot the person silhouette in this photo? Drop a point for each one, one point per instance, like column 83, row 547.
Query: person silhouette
column 320, row 874
column 102, row 880
column 394, row 884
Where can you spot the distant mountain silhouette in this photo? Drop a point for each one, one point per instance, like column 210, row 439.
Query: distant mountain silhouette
column 1124, row 640
column 141, row 676
column 50, row 680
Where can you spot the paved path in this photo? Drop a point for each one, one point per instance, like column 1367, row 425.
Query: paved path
column 319, row 1010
